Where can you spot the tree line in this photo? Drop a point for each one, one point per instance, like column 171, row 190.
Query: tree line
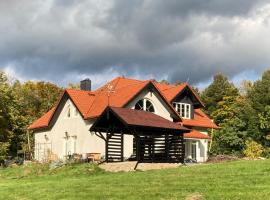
column 242, row 114
column 20, row 105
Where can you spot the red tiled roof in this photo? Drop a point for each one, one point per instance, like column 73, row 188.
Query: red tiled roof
column 123, row 90
column 133, row 117
column 200, row 120
column 43, row 121
column 171, row 91
column 196, row 135
column 92, row 104
column 83, row 100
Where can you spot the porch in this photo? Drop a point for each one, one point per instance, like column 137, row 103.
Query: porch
column 156, row 139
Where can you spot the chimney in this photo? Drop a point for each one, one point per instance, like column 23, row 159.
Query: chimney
column 86, row 84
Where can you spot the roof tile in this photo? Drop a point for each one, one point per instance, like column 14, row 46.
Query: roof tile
column 196, row 135
column 143, row 118
column 92, row 103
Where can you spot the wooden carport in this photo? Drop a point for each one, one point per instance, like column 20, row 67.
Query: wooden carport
column 156, row 139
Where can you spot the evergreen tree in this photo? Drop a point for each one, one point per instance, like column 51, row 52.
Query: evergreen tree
column 259, row 95
column 214, row 93
column 230, row 138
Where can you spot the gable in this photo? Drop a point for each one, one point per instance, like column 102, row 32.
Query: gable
column 49, row 118
column 175, row 92
column 187, row 96
column 123, row 91
column 160, row 105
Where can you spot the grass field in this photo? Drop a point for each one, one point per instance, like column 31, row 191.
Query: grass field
column 231, row 180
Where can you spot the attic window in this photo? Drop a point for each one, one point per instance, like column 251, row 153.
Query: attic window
column 68, row 112
column 183, row 109
column 146, row 105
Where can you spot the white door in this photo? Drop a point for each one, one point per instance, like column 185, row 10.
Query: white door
column 194, row 150
column 69, row 146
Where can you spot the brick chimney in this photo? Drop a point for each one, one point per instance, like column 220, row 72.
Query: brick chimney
column 86, row 84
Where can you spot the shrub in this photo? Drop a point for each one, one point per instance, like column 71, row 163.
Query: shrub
column 253, row 149
column 266, row 153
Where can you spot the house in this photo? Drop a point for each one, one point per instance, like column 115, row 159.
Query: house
column 83, row 119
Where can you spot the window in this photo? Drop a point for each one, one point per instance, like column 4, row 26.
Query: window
column 183, row 109
column 146, row 105
column 68, row 112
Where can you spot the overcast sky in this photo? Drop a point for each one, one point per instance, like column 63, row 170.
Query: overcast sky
column 188, row 40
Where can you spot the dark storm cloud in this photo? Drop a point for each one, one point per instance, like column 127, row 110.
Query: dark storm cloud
column 66, row 40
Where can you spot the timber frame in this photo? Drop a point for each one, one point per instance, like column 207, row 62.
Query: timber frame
column 151, row 144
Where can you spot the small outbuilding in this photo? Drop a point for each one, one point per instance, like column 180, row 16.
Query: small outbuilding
column 156, row 139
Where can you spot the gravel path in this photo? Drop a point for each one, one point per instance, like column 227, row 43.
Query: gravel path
column 129, row 166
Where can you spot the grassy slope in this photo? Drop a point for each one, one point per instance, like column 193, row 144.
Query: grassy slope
column 232, row 180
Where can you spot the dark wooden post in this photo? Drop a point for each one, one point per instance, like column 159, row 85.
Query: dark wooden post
column 138, row 148
column 106, row 148
column 167, row 146
column 122, row 147
column 182, row 149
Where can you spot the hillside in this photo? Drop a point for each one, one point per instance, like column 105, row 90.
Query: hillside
column 231, row 180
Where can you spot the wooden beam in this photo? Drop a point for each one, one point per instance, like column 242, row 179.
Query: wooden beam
column 100, row 135
column 106, row 148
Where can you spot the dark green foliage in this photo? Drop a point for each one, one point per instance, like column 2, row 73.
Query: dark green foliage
column 259, row 95
column 259, row 98
column 241, row 117
column 230, row 138
column 21, row 104
column 214, row 93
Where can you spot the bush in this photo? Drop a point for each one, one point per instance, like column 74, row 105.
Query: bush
column 253, row 149
column 266, row 153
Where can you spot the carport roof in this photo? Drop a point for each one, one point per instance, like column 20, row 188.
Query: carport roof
column 137, row 118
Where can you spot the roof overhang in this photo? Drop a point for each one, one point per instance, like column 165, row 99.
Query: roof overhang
column 125, row 120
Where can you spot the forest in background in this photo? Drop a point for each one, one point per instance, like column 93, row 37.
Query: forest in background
column 242, row 113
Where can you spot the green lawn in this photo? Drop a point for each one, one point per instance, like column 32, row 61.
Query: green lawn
column 231, row 180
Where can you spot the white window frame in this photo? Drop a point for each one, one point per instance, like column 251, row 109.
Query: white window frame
column 144, row 104
column 187, row 107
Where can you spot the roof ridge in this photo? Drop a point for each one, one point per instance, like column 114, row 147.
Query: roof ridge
column 79, row 90
column 117, row 89
column 171, row 86
column 133, row 84
column 102, row 87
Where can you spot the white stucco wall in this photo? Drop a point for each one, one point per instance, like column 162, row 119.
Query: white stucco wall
column 78, row 131
column 201, row 147
column 160, row 106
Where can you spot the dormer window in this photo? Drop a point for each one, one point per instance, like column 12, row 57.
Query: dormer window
column 183, row 109
column 146, row 105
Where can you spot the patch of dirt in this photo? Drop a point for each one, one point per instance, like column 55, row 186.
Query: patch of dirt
column 129, row 166
column 195, row 197
column 222, row 158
